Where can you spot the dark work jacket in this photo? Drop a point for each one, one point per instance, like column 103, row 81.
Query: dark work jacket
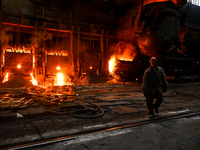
column 154, row 80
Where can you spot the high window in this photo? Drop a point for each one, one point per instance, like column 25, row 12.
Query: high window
column 195, row 2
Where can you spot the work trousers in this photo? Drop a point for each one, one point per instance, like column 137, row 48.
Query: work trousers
column 151, row 104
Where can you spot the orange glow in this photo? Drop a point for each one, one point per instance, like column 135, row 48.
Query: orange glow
column 128, row 53
column 124, row 58
column 18, row 50
column 19, row 66
column 58, row 68
column 33, row 80
column 157, row 1
column 5, row 78
column 61, row 80
column 62, row 53
column 90, row 67
column 112, row 64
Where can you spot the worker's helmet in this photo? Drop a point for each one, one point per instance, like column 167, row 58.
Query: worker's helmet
column 153, row 60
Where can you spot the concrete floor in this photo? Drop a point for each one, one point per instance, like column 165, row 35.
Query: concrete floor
column 117, row 105
column 181, row 133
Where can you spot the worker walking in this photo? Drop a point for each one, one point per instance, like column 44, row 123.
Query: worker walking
column 154, row 83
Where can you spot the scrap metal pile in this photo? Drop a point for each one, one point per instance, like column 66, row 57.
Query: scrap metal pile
column 18, row 98
column 19, row 95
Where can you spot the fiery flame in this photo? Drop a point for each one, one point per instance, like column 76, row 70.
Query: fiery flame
column 33, row 80
column 19, row 66
column 112, row 64
column 126, row 51
column 5, row 78
column 90, row 67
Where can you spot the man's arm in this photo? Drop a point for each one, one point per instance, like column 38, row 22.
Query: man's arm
column 165, row 83
column 144, row 83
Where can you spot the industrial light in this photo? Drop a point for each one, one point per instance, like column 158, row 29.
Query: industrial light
column 58, row 68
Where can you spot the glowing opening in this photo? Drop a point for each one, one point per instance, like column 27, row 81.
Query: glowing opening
column 18, row 50
column 60, row 79
column 90, row 67
column 194, row 2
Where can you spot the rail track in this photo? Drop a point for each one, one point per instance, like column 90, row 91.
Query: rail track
column 71, row 137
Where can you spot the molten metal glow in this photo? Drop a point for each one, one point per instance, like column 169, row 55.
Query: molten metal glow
column 33, row 80
column 19, row 66
column 125, row 59
column 5, row 78
column 60, row 80
column 18, row 50
column 62, row 53
column 58, row 68
column 127, row 53
column 112, row 64
column 90, row 67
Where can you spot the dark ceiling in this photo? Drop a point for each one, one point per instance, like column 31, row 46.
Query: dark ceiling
column 115, row 7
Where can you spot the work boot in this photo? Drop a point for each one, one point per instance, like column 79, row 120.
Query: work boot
column 156, row 110
column 150, row 115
